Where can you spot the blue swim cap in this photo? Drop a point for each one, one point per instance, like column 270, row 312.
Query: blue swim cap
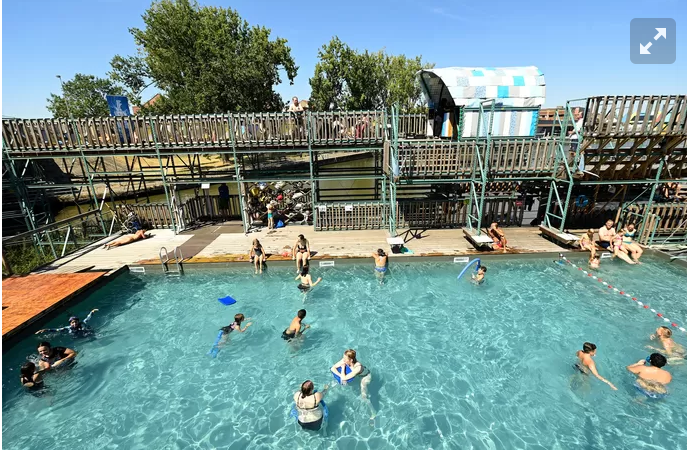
column 648, row 360
column 73, row 318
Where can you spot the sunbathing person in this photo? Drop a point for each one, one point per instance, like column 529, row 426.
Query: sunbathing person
column 128, row 239
column 498, row 236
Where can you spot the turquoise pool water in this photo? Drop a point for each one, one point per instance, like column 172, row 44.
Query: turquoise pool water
column 453, row 365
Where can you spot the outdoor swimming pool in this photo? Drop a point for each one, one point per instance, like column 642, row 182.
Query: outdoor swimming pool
column 453, row 365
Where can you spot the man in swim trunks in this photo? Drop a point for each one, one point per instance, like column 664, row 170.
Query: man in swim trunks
column 297, row 327
column 54, row 357
column 673, row 350
column 652, row 379
column 585, row 363
column 606, row 234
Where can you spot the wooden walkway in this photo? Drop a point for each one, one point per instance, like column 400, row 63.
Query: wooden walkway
column 360, row 244
column 27, row 299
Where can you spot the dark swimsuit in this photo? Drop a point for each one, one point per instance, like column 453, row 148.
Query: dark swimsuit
column 257, row 251
column 286, row 336
column 302, row 249
column 36, row 384
column 316, row 425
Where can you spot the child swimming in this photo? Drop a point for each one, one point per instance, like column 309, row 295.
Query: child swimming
column 478, row 278
column 675, row 352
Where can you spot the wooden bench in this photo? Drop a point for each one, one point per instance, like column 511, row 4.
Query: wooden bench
column 480, row 242
column 563, row 238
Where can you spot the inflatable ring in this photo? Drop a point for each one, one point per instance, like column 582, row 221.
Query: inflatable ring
column 581, row 201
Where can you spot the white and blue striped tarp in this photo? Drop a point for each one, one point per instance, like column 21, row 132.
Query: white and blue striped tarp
column 517, row 86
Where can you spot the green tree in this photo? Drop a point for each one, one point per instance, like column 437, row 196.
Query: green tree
column 205, row 59
column 83, row 96
column 347, row 79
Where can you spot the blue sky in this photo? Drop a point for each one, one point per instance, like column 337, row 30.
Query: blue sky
column 582, row 47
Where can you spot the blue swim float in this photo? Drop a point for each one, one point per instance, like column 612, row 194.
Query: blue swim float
column 215, row 347
column 581, row 201
column 476, row 260
column 227, row 300
column 347, row 370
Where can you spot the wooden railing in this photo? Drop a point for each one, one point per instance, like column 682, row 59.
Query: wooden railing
column 431, row 159
column 151, row 215
column 208, row 207
column 412, row 125
column 351, row 216
column 453, row 213
column 670, row 217
column 636, row 115
column 190, row 131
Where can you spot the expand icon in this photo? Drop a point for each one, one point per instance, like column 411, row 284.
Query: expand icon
column 652, row 41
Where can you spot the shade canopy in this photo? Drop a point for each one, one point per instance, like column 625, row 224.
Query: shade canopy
column 467, row 86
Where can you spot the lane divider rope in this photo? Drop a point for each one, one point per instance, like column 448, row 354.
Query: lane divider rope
column 623, row 293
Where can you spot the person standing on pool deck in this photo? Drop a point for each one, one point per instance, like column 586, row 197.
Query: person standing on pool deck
column 223, row 192
column 297, row 327
column 652, row 378
column 306, row 280
column 54, row 357
column 586, row 363
column 301, row 252
column 381, row 260
column 75, row 326
column 257, row 255
column 308, row 406
column 270, row 216
column 606, row 234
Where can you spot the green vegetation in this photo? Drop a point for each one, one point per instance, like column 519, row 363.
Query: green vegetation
column 348, row 79
column 23, row 258
column 85, row 95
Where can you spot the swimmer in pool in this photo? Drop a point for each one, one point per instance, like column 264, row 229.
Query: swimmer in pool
column 29, row 377
column 478, row 278
column 594, row 263
column 234, row 326
column 585, row 363
column 652, row 378
column 76, row 327
column 675, row 352
column 297, row 327
column 357, row 370
column 54, row 357
column 306, row 280
column 381, row 260
column 308, row 406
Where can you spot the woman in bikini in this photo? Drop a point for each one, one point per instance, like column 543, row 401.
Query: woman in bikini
column 629, row 244
column 301, row 252
column 257, row 255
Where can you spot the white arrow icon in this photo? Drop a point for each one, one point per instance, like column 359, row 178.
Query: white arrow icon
column 644, row 50
column 661, row 32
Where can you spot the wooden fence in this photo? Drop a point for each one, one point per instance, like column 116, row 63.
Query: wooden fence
column 453, row 213
column 430, row 159
column 636, row 115
column 413, row 125
column 152, row 215
column 351, row 216
column 207, row 207
column 195, row 130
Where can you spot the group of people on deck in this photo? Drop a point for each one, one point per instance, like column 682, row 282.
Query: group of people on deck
column 652, row 378
column 621, row 244
column 300, row 252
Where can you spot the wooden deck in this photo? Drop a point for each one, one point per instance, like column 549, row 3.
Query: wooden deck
column 357, row 244
column 27, row 299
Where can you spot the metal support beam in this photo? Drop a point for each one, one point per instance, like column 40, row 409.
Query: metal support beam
column 164, row 177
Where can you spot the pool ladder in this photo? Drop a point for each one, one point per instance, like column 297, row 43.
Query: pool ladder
column 164, row 260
